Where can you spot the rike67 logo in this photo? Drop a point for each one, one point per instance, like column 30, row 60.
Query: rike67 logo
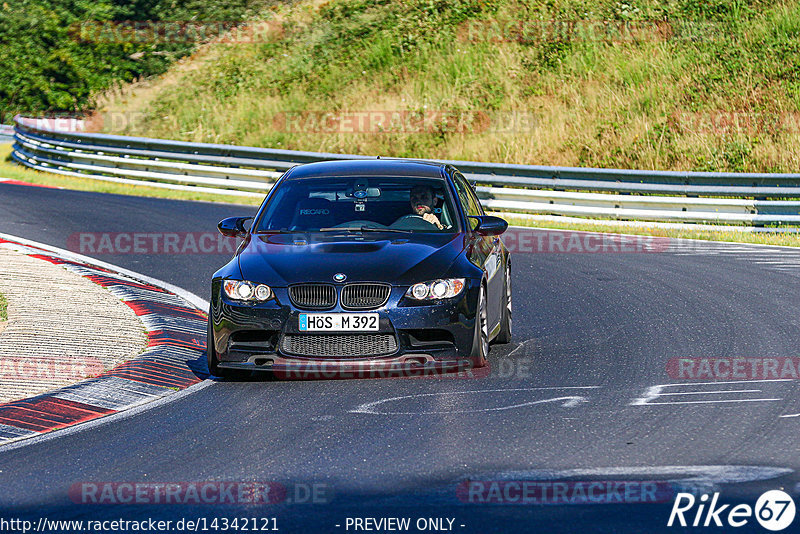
column 774, row 510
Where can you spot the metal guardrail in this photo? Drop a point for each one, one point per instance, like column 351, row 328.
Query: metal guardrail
column 6, row 133
column 740, row 198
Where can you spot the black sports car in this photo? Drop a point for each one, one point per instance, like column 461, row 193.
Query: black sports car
column 362, row 265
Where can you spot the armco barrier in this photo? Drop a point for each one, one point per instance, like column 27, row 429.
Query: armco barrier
column 6, row 133
column 709, row 197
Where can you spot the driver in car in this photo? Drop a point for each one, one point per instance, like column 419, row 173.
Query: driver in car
column 421, row 198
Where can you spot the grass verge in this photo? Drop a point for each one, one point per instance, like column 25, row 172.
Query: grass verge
column 3, row 308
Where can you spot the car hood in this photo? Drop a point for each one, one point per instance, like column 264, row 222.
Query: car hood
column 284, row 259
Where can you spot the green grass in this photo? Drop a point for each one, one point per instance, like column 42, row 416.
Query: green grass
column 3, row 308
column 10, row 169
column 660, row 101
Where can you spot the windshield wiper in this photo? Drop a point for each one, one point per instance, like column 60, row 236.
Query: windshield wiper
column 363, row 229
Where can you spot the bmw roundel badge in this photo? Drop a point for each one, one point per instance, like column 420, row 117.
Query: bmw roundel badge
column 339, row 277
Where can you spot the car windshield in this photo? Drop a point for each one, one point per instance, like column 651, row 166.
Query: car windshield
column 359, row 205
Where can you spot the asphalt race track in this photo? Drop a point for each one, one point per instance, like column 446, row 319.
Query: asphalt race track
column 574, row 397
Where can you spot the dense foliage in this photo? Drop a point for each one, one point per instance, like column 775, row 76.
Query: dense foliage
column 55, row 54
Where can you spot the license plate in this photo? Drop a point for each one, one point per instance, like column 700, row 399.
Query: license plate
column 349, row 322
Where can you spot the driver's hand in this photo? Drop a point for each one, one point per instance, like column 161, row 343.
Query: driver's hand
column 433, row 219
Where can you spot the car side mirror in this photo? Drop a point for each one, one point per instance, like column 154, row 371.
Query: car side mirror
column 233, row 226
column 489, row 225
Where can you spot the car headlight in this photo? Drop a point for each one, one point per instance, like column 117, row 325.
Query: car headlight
column 436, row 289
column 244, row 290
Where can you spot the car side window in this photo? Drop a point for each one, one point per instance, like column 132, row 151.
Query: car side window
column 468, row 199
column 462, row 193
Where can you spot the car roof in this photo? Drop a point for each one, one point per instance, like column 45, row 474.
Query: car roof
column 368, row 167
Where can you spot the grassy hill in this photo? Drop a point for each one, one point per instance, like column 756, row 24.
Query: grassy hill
column 676, row 84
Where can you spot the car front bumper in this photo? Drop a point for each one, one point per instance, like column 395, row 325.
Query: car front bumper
column 427, row 338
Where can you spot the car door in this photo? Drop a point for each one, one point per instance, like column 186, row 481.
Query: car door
column 483, row 250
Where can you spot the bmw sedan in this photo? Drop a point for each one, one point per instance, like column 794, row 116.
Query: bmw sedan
column 362, row 265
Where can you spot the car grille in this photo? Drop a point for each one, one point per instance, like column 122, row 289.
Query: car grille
column 313, row 296
column 365, row 296
column 339, row 344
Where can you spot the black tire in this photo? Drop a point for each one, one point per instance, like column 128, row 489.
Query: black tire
column 480, row 342
column 504, row 336
column 213, row 361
